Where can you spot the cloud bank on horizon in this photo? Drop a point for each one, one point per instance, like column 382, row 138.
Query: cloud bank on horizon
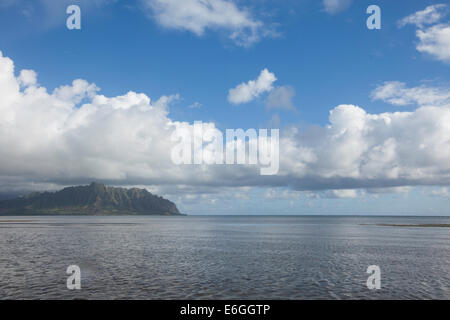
column 74, row 134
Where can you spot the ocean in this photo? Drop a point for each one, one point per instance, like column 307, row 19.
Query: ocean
column 224, row 257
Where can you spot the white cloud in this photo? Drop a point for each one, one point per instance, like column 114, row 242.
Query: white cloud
column 429, row 15
column 443, row 192
column 397, row 93
column 74, row 135
column 246, row 92
column 27, row 78
column 435, row 41
column 195, row 105
column 46, row 134
column 281, row 98
column 79, row 90
column 361, row 150
column 336, row 6
column 342, row 194
column 198, row 15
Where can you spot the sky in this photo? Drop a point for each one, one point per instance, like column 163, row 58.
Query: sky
column 363, row 114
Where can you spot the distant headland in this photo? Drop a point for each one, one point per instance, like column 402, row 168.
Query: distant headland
column 95, row 199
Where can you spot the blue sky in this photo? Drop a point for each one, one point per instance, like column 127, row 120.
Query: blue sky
column 325, row 55
column 315, row 53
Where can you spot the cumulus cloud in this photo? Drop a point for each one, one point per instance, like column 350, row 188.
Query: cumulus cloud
column 342, row 194
column 429, row 15
column 361, row 150
column 281, row 98
column 397, row 93
column 73, row 134
column 433, row 40
column 246, row 92
column 49, row 136
column 27, row 78
column 199, row 15
column 336, row 6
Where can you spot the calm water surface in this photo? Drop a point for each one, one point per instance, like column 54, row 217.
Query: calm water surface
column 233, row 257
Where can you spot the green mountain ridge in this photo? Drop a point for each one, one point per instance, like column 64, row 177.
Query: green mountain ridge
column 94, row 199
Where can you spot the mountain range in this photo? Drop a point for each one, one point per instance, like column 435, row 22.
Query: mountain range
column 93, row 199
